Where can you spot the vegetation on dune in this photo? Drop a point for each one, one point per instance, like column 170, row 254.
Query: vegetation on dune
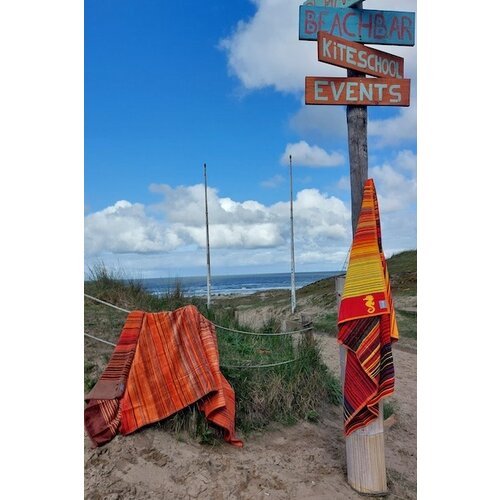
column 285, row 393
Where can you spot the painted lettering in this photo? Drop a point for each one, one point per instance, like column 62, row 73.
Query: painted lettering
column 346, row 17
column 371, row 65
column 350, row 53
column 368, row 25
column 406, row 27
column 361, row 91
column 337, row 92
column 349, row 95
column 336, row 24
column 393, row 69
column 322, row 16
column 326, row 48
column 310, row 25
column 342, row 48
column 317, row 89
column 360, row 25
column 380, row 87
column 362, row 59
column 380, row 31
column 365, row 92
column 393, row 91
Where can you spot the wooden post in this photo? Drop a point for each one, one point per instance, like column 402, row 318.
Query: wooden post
column 365, row 454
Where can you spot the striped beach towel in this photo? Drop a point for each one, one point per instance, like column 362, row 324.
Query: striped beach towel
column 366, row 320
column 163, row 362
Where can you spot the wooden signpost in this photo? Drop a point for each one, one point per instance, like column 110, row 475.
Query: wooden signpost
column 352, row 55
column 340, row 32
column 365, row 26
column 357, row 91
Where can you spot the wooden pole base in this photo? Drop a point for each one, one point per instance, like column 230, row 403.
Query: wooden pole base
column 365, row 452
column 365, row 456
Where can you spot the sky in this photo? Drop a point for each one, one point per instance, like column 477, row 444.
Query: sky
column 169, row 88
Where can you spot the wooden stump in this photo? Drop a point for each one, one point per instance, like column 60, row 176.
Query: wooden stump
column 365, row 453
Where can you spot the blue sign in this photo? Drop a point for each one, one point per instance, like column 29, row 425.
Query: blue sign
column 381, row 27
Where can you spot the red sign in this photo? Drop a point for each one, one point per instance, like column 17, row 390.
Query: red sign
column 352, row 55
column 357, row 91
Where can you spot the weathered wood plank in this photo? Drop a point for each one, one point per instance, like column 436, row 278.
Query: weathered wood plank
column 357, row 91
column 356, row 56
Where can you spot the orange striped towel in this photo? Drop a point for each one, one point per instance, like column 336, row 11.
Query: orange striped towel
column 175, row 363
column 367, row 321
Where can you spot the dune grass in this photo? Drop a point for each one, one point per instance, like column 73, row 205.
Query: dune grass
column 286, row 393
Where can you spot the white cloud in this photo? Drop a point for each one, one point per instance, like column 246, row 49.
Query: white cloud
column 396, row 130
column 304, row 155
column 244, row 234
column 265, row 51
column 398, row 191
column 125, row 227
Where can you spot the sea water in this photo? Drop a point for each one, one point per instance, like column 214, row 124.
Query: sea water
column 242, row 284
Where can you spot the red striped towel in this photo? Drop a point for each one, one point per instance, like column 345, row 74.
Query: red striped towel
column 367, row 321
column 173, row 363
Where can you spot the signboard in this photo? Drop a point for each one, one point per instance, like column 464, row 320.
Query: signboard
column 332, row 3
column 382, row 27
column 352, row 55
column 357, row 91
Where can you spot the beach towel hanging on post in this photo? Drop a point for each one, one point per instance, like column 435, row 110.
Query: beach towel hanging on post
column 366, row 320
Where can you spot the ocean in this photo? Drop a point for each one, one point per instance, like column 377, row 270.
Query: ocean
column 243, row 284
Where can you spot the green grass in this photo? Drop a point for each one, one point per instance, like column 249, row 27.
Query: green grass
column 286, row 393
column 326, row 323
column 403, row 262
column 389, row 408
column 407, row 323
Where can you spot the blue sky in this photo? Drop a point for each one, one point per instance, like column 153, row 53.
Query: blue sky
column 169, row 87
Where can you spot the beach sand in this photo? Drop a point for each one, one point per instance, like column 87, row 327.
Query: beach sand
column 303, row 461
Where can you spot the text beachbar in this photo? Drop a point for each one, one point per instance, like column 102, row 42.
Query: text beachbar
column 365, row 26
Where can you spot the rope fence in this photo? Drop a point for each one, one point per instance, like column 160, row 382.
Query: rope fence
column 216, row 326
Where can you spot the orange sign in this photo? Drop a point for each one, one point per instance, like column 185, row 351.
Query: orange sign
column 352, row 55
column 357, row 91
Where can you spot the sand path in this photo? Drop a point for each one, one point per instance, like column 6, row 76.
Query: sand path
column 304, row 461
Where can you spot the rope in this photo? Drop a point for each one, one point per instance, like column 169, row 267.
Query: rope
column 222, row 366
column 100, row 340
column 106, row 303
column 216, row 326
column 260, row 366
column 263, row 334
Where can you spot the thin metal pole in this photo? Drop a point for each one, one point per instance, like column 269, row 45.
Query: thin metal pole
column 209, row 278
column 294, row 303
